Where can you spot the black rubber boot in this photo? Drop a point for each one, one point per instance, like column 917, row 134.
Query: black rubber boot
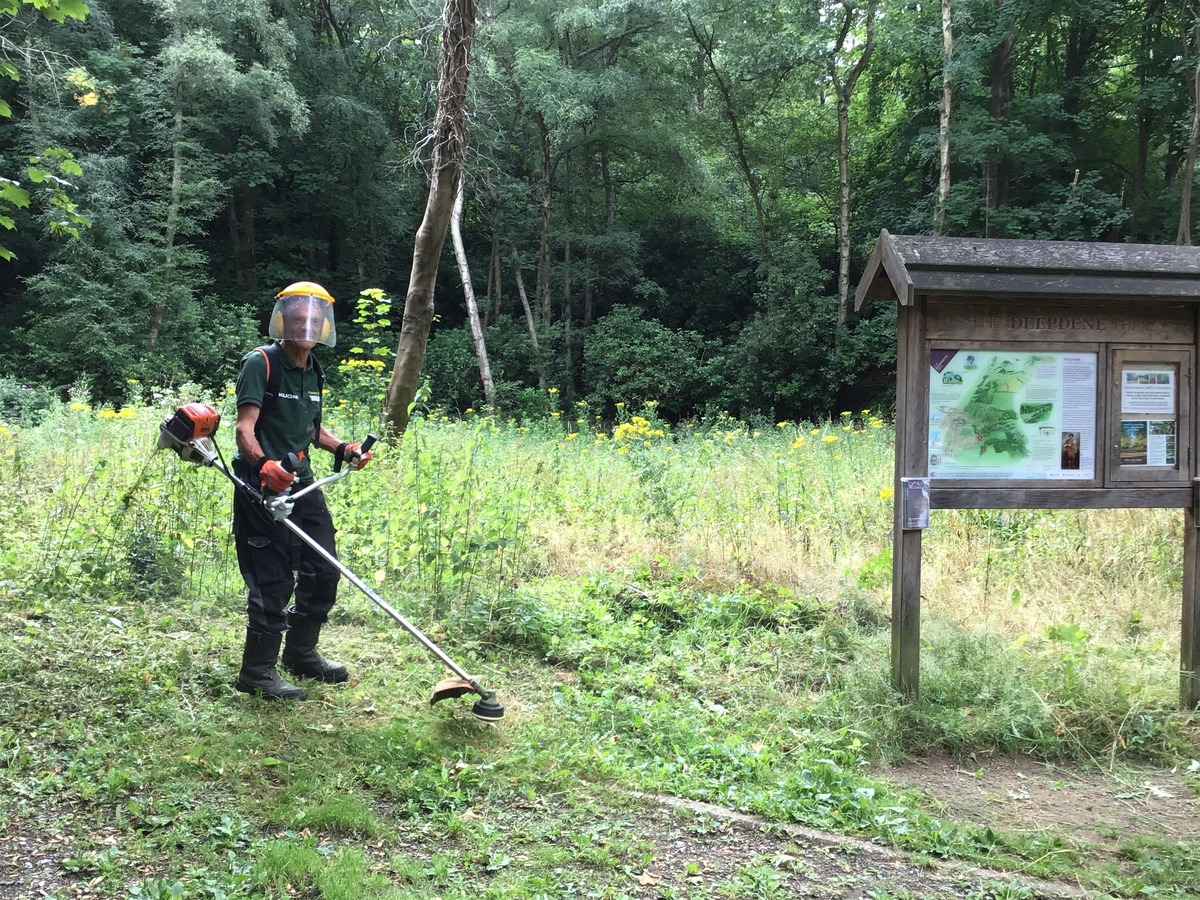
column 258, row 675
column 300, row 656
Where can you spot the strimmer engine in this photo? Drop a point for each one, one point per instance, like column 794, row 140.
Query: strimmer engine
column 189, row 432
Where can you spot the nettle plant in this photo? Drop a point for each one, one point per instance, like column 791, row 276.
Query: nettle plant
column 367, row 365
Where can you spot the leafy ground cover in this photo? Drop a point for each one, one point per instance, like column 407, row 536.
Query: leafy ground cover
column 696, row 614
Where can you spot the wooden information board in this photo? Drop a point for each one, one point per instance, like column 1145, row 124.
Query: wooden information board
column 1039, row 375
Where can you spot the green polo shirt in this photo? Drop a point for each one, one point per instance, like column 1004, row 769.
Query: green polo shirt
column 288, row 425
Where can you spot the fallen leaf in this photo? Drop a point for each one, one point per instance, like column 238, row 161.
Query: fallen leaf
column 471, row 814
column 649, row 879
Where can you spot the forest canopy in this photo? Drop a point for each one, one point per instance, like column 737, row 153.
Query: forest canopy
column 664, row 200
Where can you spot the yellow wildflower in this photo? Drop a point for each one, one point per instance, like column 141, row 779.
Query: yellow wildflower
column 79, row 406
column 797, row 443
column 886, row 493
column 830, row 438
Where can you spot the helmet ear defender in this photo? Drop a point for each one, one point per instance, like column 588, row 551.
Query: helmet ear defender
column 316, row 297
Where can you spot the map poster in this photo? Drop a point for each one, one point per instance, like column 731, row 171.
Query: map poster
column 1009, row 414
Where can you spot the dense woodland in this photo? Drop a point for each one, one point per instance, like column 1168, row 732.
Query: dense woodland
column 664, row 200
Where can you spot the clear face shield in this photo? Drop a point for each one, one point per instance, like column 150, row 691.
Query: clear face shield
column 303, row 317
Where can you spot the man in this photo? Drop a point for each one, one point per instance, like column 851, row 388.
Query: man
column 278, row 414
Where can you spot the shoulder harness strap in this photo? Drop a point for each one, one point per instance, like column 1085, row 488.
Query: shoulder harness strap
column 274, row 362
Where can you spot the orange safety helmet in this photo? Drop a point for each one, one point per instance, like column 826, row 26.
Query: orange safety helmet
column 303, row 312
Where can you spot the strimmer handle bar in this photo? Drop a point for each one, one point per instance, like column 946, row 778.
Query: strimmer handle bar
column 364, row 447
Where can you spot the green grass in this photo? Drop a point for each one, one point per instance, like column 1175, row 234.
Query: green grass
column 698, row 614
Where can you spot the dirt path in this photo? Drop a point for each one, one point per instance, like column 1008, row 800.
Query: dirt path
column 1028, row 796
column 692, row 850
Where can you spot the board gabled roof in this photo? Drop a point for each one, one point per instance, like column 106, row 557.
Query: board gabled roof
column 902, row 266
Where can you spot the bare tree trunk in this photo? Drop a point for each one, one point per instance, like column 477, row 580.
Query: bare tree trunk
column 250, row 240
column 543, row 274
column 1183, row 236
column 843, row 154
column 450, row 146
column 708, row 46
column 533, row 338
column 997, row 167
column 464, row 271
column 939, row 215
column 610, row 202
column 495, row 279
column 568, row 285
column 159, row 312
column 845, row 91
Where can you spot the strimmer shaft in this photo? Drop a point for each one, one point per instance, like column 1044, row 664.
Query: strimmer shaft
column 385, row 606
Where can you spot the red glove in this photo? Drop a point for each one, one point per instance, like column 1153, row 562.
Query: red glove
column 353, row 456
column 274, row 477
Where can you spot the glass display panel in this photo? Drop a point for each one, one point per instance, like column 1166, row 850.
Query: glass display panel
column 1012, row 414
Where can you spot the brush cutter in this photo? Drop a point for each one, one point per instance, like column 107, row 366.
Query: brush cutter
column 190, row 431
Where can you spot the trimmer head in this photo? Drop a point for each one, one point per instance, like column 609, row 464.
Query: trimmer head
column 486, row 708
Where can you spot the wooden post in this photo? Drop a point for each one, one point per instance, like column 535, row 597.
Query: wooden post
column 912, row 428
column 1189, row 638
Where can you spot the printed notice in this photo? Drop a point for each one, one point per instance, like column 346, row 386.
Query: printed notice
column 1012, row 415
column 1148, row 443
column 1148, row 391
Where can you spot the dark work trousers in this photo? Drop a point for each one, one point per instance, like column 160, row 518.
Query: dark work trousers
column 275, row 562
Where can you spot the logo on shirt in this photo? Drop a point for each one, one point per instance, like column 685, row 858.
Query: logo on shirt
column 284, row 396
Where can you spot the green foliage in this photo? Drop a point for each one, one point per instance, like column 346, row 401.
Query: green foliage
column 366, row 366
column 23, row 404
column 49, row 169
column 652, row 669
column 631, row 360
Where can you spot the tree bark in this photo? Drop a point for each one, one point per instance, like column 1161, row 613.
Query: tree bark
column 1183, row 236
column 939, row 216
column 529, row 321
column 159, row 312
column 547, row 199
column 997, row 167
column 495, row 283
column 450, row 146
column 845, row 91
column 708, row 47
column 464, row 271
